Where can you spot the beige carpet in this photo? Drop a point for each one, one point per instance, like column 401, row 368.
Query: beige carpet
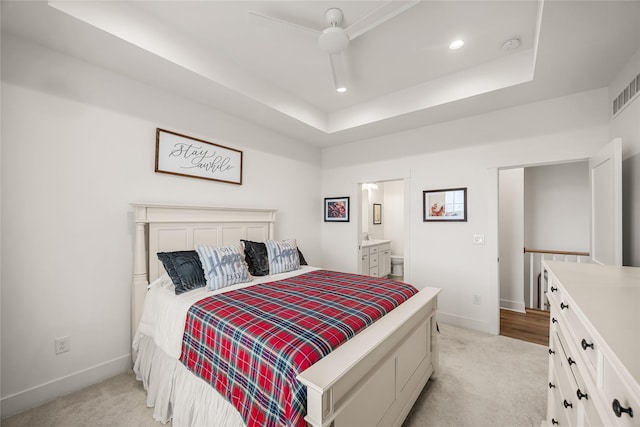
column 484, row 381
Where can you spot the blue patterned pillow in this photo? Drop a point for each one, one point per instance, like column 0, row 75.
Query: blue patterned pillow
column 184, row 268
column 223, row 266
column 283, row 255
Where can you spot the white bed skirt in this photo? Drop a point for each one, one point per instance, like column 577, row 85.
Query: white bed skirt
column 177, row 394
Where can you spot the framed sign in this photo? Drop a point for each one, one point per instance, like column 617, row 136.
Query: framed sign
column 336, row 209
column 445, row 205
column 182, row 155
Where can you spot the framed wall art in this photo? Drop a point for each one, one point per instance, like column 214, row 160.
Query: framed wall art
column 183, row 155
column 336, row 209
column 445, row 205
column 377, row 213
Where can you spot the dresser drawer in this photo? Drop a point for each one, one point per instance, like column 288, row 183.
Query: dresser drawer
column 582, row 340
column 374, row 249
column 615, row 389
column 554, row 293
column 556, row 414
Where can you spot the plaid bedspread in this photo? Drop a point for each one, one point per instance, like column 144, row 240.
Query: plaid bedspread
column 251, row 343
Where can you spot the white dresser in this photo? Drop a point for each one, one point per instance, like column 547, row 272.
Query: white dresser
column 594, row 345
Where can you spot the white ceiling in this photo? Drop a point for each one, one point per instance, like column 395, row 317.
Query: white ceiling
column 401, row 74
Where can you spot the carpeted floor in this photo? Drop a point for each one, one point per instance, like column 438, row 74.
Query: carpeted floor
column 484, row 380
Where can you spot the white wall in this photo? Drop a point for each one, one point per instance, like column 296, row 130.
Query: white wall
column 78, row 146
column 557, row 206
column 393, row 215
column 376, row 196
column 443, row 254
column 511, row 230
column 626, row 125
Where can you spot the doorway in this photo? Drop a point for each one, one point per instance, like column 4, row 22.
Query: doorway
column 382, row 216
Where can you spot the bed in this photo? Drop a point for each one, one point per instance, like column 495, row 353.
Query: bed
column 373, row 378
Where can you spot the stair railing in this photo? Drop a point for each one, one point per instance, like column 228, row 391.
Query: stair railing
column 535, row 266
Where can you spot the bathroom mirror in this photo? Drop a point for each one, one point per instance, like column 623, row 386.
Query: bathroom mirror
column 377, row 213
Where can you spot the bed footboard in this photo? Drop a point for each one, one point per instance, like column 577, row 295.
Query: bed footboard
column 375, row 378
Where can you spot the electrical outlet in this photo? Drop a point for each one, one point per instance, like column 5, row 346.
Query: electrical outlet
column 62, row 344
column 476, row 299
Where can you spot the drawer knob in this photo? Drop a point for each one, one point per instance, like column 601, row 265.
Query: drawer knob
column 571, row 361
column 551, row 352
column 551, row 385
column 619, row 409
column 563, row 305
column 567, row 404
column 581, row 395
column 553, row 421
column 554, row 320
column 585, row 345
column 553, row 289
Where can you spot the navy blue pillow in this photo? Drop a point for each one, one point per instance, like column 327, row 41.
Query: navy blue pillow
column 255, row 254
column 184, row 268
column 302, row 260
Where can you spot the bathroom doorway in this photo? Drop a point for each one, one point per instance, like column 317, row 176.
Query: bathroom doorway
column 383, row 219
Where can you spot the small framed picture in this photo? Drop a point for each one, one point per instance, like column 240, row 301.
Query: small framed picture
column 336, row 209
column 377, row 213
column 445, row 205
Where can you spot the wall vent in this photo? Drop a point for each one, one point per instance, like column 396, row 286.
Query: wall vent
column 628, row 94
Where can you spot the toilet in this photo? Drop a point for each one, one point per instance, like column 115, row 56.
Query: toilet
column 397, row 265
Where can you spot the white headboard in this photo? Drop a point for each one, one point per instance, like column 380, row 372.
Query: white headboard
column 165, row 228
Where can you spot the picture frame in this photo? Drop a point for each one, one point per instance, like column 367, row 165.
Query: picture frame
column 336, row 209
column 448, row 205
column 377, row 213
column 182, row 155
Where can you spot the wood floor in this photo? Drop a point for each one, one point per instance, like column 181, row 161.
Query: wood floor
column 532, row 326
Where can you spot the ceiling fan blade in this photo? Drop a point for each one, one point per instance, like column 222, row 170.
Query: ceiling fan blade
column 272, row 20
column 338, row 71
column 378, row 16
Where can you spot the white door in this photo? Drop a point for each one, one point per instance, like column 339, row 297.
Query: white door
column 605, row 175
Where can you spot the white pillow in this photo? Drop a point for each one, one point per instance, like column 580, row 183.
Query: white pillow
column 283, row 255
column 223, row 266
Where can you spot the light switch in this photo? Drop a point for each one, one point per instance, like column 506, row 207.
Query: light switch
column 478, row 239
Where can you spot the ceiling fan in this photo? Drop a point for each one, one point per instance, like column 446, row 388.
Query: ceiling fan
column 334, row 39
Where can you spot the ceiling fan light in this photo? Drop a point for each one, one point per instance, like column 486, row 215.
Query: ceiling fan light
column 333, row 40
column 341, row 89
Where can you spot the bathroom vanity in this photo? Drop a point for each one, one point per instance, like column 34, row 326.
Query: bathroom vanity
column 376, row 258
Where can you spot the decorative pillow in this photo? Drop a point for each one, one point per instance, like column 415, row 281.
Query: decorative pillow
column 184, row 269
column 302, row 260
column 257, row 258
column 223, row 266
column 283, row 256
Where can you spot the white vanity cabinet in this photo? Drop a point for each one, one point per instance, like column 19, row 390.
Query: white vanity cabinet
column 376, row 258
column 594, row 345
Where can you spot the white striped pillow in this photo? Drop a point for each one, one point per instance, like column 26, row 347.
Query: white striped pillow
column 283, row 255
column 223, row 266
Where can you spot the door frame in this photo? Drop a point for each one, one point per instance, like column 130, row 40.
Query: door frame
column 493, row 250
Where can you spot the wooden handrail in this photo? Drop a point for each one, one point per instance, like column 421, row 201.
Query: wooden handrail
column 545, row 251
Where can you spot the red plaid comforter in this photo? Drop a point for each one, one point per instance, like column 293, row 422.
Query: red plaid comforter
column 251, row 343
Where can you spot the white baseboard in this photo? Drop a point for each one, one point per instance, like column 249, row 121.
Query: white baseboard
column 513, row 305
column 35, row 396
column 463, row 322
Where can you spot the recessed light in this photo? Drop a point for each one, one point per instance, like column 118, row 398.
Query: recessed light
column 457, row 44
column 341, row 89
